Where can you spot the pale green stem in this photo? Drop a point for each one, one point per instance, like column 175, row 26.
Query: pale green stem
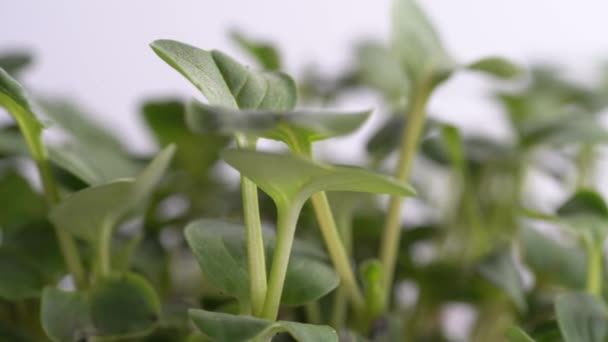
column 585, row 166
column 104, row 248
column 313, row 312
column 336, row 250
column 338, row 316
column 409, row 143
column 67, row 244
column 255, row 242
column 332, row 239
column 287, row 218
column 595, row 265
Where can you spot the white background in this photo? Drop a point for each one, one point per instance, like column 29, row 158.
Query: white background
column 97, row 51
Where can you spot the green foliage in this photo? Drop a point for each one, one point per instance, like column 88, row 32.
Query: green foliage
column 97, row 245
column 219, row 248
column 225, row 82
column 581, row 317
column 225, row 327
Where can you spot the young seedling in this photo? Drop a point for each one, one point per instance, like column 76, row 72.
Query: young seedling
column 17, row 103
column 226, row 83
column 426, row 64
column 290, row 186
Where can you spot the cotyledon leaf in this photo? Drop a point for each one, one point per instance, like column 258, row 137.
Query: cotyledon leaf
column 304, row 126
column 220, row 249
column 226, row 327
column 298, row 178
column 85, row 211
column 123, row 305
column 225, row 82
column 65, row 316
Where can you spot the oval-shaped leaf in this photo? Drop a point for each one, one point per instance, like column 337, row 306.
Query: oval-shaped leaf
column 123, row 305
column 581, row 317
column 226, row 327
column 301, row 178
column 225, row 82
column 291, row 127
column 220, row 250
column 85, row 211
column 65, row 316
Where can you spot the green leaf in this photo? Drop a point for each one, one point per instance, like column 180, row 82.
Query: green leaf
column 264, row 53
column 379, row 68
column 78, row 124
column 65, row 316
column 586, row 212
column 581, row 317
column 563, row 129
column 15, row 100
column 84, row 212
column 417, row 45
column 195, row 153
column 20, row 279
column 220, row 250
column 496, row 66
column 515, row 334
column 500, row 269
column 297, row 127
column 225, row 82
column 298, row 178
column 14, row 62
column 584, row 202
column 123, row 305
column 225, row 327
column 553, row 263
column 25, row 205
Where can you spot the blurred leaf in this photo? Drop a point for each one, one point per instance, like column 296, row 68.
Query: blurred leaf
column 225, row 327
column 516, row 334
column 496, row 66
column 220, row 249
column 569, row 128
column 25, row 205
column 195, row 152
column 581, row 317
column 14, row 99
column 264, row 53
column 123, row 305
column 552, row 262
column 225, row 82
column 299, row 127
column 586, row 212
column 14, row 62
column 20, row 280
column 500, row 269
column 65, row 316
column 584, row 202
column 417, row 45
column 79, row 125
column 378, row 68
column 84, row 212
column 298, row 178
